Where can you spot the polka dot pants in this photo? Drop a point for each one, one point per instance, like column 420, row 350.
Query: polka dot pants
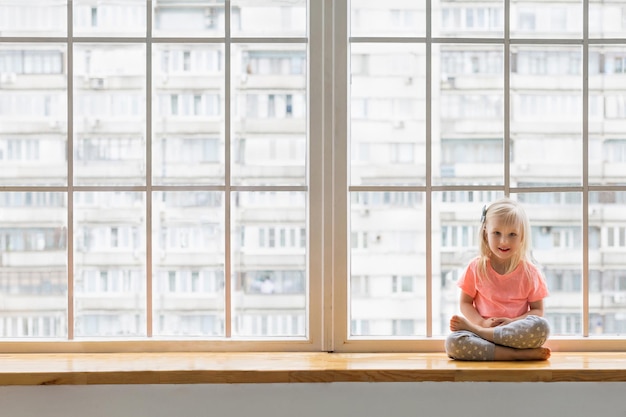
column 530, row 332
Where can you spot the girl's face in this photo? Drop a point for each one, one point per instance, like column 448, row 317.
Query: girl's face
column 503, row 240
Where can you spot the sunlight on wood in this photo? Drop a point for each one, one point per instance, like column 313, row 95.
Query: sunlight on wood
column 293, row 367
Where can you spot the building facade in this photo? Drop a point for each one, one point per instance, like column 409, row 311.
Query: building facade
column 161, row 129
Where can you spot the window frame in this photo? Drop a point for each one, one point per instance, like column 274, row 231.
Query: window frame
column 328, row 195
column 430, row 343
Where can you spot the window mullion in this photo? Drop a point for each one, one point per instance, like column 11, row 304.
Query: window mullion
column 320, row 315
column 339, row 96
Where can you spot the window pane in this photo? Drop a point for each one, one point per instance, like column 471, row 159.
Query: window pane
column 455, row 237
column 269, row 280
column 270, row 114
column 607, row 112
column 109, row 264
column 43, row 18
column 182, row 18
column 33, row 121
column 109, row 17
column 468, row 19
column 268, row 18
column 546, row 109
column 556, row 220
column 607, row 19
column 33, row 272
column 109, row 114
column 546, row 19
column 387, row 114
column 188, row 114
column 470, row 114
column 387, row 268
column 390, row 18
column 607, row 275
column 188, row 263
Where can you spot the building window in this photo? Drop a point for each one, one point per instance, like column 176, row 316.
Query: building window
column 402, row 284
column 474, row 151
column 616, row 237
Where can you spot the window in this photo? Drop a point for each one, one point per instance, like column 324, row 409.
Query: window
column 616, row 237
column 227, row 174
column 458, row 237
column 402, row 284
column 471, row 19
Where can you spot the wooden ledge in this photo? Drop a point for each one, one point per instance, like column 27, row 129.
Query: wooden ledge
column 292, row 367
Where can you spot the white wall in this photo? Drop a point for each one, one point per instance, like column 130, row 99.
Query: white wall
column 428, row 399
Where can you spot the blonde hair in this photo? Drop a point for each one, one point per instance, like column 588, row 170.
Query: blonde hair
column 511, row 213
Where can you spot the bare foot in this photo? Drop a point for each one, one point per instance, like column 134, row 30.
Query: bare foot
column 461, row 323
column 510, row 354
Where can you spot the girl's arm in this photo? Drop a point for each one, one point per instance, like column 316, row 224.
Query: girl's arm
column 536, row 309
column 469, row 311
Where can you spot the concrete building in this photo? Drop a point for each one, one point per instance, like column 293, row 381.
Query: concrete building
column 460, row 115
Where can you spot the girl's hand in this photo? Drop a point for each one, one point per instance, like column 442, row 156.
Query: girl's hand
column 491, row 322
column 500, row 321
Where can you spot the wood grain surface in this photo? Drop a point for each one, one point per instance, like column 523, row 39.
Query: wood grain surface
column 294, row 367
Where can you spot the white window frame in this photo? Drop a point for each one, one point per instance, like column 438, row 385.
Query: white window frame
column 328, row 195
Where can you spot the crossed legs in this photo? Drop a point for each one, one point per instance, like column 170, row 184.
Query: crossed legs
column 519, row 340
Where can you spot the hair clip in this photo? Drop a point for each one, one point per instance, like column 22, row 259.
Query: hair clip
column 484, row 215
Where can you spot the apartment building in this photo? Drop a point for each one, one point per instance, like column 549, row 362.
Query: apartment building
column 185, row 170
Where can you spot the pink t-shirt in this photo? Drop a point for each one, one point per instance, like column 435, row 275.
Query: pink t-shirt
column 503, row 295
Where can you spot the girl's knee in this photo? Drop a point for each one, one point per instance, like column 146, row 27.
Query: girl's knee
column 541, row 328
column 451, row 341
column 530, row 332
column 455, row 342
column 538, row 323
column 464, row 345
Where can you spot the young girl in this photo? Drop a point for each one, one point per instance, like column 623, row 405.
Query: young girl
column 502, row 294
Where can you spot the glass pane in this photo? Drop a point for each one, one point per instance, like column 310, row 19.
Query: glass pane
column 33, row 114
column 388, row 18
column 269, row 279
column 607, row 113
column 33, row 272
column 188, row 263
column 110, row 17
column 455, row 239
column 109, row 264
column 387, row 114
column 556, row 242
column 607, row 272
column 468, row 114
column 468, row 19
column 45, row 18
column 270, row 114
column 268, row 18
column 546, row 115
column 546, row 19
column 607, row 19
column 188, row 114
column 387, row 264
column 556, row 229
column 177, row 18
column 109, row 114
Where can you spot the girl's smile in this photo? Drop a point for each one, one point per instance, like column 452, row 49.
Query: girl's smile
column 503, row 240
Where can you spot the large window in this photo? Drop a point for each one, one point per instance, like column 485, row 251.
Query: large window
column 245, row 175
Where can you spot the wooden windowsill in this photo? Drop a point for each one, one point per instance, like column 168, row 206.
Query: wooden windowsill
column 294, row 367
